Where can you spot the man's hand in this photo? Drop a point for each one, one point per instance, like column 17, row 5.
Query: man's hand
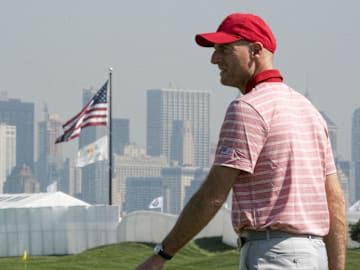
column 153, row 263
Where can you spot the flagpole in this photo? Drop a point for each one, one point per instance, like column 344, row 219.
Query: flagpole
column 110, row 136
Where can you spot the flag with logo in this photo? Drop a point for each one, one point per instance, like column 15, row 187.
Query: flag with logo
column 95, row 113
column 157, row 203
column 93, row 152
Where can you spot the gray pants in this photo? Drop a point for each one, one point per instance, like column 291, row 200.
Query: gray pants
column 284, row 253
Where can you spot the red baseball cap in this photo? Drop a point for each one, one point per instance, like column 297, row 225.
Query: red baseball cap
column 239, row 26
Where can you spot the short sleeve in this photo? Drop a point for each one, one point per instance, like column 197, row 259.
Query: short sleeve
column 242, row 137
column 330, row 167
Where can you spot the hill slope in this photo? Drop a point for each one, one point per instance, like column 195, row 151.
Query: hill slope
column 202, row 254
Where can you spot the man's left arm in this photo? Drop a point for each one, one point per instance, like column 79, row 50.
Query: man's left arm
column 337, row 236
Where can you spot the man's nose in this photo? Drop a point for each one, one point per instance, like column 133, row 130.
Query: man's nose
column 215, row 58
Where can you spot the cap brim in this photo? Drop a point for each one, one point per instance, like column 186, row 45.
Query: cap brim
column 210, row 39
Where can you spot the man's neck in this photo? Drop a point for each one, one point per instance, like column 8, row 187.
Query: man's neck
column 267, row 75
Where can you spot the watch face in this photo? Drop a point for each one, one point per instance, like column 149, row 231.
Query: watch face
column 158, row 248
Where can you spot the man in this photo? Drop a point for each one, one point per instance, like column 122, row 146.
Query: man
column 274, row 153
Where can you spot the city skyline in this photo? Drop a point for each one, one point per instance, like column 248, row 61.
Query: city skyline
column 74, row 145
column 52, row 51
column 169, row 111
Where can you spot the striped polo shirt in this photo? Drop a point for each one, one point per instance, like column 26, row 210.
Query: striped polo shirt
column 281, row 142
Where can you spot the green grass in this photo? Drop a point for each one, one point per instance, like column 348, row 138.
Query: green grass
column 201, row 254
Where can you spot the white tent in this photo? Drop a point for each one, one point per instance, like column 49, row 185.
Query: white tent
column 57, row 224
column 53, row 224
column 25, row 200
column 355, row 207
column 152, row 227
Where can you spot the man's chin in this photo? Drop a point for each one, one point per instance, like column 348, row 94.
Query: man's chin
column 223, row 81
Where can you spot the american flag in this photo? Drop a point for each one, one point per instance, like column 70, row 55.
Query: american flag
column 94, row 113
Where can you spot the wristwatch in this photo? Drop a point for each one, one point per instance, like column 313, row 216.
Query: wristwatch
column 159, row 250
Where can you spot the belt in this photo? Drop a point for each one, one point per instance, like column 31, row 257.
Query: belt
column 247, row 236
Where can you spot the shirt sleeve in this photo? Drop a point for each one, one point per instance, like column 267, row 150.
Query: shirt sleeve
column 242, row 137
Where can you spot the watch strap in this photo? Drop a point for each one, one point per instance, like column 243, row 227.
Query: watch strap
column 163, row 254
column 159, row 250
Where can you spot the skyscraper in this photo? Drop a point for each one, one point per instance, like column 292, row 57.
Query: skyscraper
column 7, row 152
column 332, row 128
column 164, row 106
column 21, row 115
column 21, row 180
column 182, row 145
column 50, row 163
column 355, row 148
column 120, row 135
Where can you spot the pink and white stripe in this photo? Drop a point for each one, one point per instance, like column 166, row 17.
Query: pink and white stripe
column 277, row 136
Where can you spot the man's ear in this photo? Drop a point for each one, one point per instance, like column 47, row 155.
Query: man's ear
column 256, row 48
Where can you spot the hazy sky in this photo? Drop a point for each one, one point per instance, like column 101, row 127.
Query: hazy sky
column 51, row 50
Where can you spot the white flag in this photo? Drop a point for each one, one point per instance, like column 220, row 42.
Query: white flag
column 52, row 187
column 95, row 151
column 157, row 203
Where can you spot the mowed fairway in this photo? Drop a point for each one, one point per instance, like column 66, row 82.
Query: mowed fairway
column 200, row 255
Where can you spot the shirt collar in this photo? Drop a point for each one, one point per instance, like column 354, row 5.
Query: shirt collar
column 269, row 75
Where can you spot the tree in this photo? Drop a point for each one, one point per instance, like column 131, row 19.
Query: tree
column 355, row 231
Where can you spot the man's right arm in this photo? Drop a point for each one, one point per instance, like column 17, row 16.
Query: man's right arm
column 197, row 213
column 202, row 207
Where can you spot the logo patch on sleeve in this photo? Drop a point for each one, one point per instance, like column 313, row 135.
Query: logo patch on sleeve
column 225, row 150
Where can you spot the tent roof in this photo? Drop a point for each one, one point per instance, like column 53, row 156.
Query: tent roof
column 355, row 207
column 23, row 200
